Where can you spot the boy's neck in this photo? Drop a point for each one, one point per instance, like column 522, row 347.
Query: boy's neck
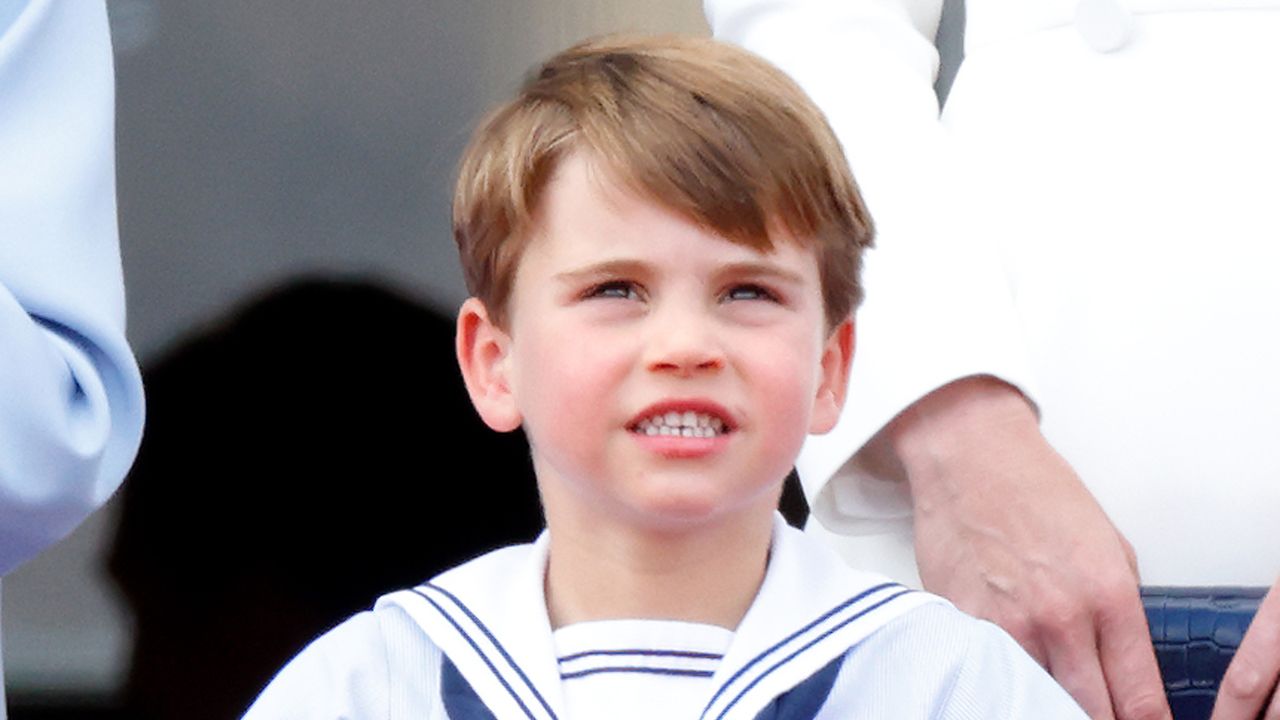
column 711, row 574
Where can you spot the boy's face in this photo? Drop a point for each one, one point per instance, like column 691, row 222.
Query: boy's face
column 664, row 375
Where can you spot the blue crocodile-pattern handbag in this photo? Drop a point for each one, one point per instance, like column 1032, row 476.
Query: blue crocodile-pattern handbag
column 1196, row 631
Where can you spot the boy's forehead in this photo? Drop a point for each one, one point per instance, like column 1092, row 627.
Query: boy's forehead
column 584, row 193
column 582, row 176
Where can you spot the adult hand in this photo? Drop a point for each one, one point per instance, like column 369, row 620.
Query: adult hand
column 1250, row 683
column 1006, row 530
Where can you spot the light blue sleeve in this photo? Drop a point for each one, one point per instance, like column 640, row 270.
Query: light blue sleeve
column 71, row 404
column 936, row 662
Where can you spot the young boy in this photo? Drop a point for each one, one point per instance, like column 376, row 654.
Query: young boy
column 663, row 241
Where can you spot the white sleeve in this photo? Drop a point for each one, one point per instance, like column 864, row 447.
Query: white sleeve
column 998, row 680
column 342, row 674
column 938, row 302
column 71, row 403
column 937, row 662
column 377, row 664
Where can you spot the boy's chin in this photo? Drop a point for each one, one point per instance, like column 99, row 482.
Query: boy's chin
column 684, row 512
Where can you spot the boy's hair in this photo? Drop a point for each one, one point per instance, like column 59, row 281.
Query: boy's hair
column 703, row 128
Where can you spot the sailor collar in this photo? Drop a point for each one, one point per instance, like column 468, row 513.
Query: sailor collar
column 489, row 618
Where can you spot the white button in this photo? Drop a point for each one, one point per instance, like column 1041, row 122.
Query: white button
column 1106, row 25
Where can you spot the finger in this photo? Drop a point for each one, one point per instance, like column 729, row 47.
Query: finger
column 1273, row 711
column 1253, row 671
column 1130, row 556
column 1073, row 662
column 1129, row 661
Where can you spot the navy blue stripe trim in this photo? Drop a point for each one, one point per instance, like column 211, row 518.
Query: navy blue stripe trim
column 647, row 653
column 475, row 647
column 793, row 636
column 501, row 650
column 806, row 646
column 459, row 698
column 638, row 670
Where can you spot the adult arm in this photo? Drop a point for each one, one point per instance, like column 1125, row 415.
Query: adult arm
column 1003, row 526
column 1249, row 686
column 70, row 393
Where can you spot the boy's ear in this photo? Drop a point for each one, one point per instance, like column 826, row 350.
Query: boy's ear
column 483, row 350
column 837, row 355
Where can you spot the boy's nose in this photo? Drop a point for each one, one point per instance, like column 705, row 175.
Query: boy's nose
column 685, row 346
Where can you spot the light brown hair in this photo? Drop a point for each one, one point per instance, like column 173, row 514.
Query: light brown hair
column 703, row 128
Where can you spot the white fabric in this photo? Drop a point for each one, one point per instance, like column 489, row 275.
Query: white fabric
column 70, row 393
column 917, row 656
column 1096, row 228
column 638, row 669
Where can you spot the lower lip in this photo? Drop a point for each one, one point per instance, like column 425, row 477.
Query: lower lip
column 675, row 446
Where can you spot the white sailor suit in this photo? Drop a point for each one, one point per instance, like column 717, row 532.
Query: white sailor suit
column 820, row 642
column 1090, row 218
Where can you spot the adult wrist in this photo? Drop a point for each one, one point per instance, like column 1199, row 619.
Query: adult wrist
column 957, row 421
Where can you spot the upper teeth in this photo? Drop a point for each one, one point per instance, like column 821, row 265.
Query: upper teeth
column 684, row 424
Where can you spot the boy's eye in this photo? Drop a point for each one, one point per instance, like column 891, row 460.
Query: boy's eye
column 620, row 289
column 749, row 292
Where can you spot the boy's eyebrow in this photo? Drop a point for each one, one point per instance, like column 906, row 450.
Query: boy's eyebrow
column 762, row 269
column 606, row 268
column 749, row 268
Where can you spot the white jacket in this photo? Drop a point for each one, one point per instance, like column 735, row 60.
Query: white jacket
column 1091, row 220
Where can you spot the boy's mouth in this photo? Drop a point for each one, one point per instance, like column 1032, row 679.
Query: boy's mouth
column 682, row 424
column 683, row 419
